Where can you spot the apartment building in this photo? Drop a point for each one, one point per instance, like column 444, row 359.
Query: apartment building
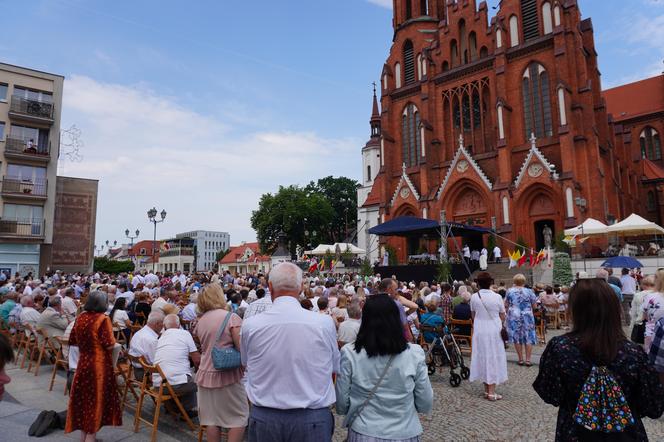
column 206, row 245
column 30, row 109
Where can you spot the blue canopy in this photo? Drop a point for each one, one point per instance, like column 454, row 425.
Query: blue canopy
column 412, row 225
column 622, row 262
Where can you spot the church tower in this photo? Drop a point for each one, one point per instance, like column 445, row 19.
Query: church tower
column 367, row 213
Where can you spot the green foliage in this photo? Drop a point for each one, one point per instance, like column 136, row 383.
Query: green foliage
column 221, row 254
column 105, row 265
column 562, row 269
column 366, row 269
column 341, row 194
column 491, row 243
column 560, row 245
column 444, row 271
column 323, row 209
column 392, row 257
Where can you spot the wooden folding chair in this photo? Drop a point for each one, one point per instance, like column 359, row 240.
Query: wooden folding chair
column 552, row 317
column 30, row 344
column 60, row 362
column 160, row 395
column 42, row 347
column 540, row 326
column 131, row 384
column 459, row 337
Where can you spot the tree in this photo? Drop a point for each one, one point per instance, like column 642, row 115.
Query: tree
column 562, row 269
column 221, row 254
column 105, row 265
column 341, row 193
column 293, row 210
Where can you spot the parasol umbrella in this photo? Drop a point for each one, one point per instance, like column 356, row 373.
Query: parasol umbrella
column 622, row 262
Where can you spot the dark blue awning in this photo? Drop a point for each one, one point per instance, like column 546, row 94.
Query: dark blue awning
column 414, row 226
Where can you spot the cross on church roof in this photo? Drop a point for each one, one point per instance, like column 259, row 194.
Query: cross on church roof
column 403, row 168
column 461, row 141
column 533, row 140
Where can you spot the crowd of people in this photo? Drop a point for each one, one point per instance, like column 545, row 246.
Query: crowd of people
column 269, row 356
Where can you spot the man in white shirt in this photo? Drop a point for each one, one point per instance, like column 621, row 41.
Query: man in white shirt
column 497, row 254
column 290, row 354
column 167, row 296
column 144, row 341
column 29, row 315
column 179, row 277
column 137, row 279
column 263, row 303
column 189, row 311
column 124, row 292
column 466, row 253
column 151, row 278
column 349, row 328
column 69, row 306
column 174, row 349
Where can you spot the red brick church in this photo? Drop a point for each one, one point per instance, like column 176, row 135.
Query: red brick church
column 504, row 124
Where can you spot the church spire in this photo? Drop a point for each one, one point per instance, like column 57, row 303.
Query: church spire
column 375, row 116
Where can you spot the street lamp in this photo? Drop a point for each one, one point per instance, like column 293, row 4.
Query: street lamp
column 152, row 216
column 132, row 238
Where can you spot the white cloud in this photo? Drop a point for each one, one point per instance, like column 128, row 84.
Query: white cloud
column 148, row 150
column 384, row 3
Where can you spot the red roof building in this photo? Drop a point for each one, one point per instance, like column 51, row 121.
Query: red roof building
column 502, row 123
column 245, row 258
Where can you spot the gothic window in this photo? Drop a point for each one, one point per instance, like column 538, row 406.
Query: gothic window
column 409, row 62
column 651, row 201
column 514, row 31
column 530, row 19
column 477, row 113
column 410, row 136
column 454, row 53
column 466, row 112
column 537, row 102
column 446, row 66
column 397, row 75
column 456, row 114
column 368, row 173
column 547, row 18
column 472, row 43
column 651, row 147
column 484, row 52
column 409, row 9
column 424, row 7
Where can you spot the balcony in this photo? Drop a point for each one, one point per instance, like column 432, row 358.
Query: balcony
column 177, row 251
column 22, row 228
column 31, row 110
column 25, row 189
column 20, row 149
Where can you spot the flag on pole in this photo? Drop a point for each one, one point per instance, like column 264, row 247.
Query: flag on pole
column 313, row 267
column 321, row 265
column 540, row 257
column 333, row 264
column 514, row 258
column 522, row 259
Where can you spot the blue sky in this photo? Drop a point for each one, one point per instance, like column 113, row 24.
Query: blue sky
column 200, row 107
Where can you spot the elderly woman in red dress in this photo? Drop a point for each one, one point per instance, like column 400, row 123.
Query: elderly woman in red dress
column 93, row 400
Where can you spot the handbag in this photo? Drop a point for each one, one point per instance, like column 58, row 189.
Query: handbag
column 225, row 358
column 638, row 332
column 371, row 394
column 503, row 331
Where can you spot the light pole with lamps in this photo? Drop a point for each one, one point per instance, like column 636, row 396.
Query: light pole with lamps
column 152, row 216
column 132, row 238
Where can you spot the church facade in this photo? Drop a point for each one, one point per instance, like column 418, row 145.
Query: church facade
column 502, row 123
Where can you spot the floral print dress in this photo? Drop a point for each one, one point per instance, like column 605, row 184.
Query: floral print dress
column 520, row 323
column 563, row 373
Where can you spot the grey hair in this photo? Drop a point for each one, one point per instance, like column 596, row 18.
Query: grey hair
column 354, row 311
column 97, row 302
column 54, row 301
column 155, row 317
column 171, row 321
column 26, row 300
column 602, row 274
column 193, row 298
column 319, row 290
column 286, row 277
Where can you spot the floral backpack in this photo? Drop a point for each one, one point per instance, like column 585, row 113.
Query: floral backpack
column 602, row 406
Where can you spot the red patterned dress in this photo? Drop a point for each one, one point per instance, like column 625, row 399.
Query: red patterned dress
column 93, row 401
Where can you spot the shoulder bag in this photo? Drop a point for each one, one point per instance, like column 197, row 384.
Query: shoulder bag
column 225, row 358
column 503, row 332
column 371, row 394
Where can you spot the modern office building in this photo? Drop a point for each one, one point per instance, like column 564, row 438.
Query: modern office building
column 30, row 109
column 207, row 244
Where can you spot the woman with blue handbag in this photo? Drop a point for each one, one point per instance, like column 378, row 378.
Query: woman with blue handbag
column 222, row 400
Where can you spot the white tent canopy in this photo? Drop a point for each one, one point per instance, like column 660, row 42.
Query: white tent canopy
column 589, row 227
column 635, row 225
column 323, row 249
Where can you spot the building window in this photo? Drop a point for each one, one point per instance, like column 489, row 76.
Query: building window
column 368, row 173
column 556, row 15
column 3, row 92
column 499, row 38
column 409, row 9
column 409, row 62
column 424, row 7
column 651, row 147
column 142, row 251
column 454, row 53
column 2, row 130
column 547, row 18
column 32, row 94
column 397, row 75
column 514, row 31
column 410, row 136
column 537, row 102
column 31, row 136
column 651, row 201
column 466, row 113
column 529, row 19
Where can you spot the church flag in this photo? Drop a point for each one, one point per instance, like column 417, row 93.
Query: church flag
column 514, row 258
column 540, row 257
column 313, row 267
column 522, row 259
column 321, row 265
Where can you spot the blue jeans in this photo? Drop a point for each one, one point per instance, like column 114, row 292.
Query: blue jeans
column 297, row 425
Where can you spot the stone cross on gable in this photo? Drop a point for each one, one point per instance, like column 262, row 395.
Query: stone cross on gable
column 461, row 141
column 374, row 87
column 533, row 140
column 403, row 168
